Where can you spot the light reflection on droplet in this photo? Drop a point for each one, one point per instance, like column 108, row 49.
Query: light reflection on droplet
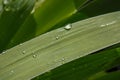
column 23, row 52
column 102, row 25
column 34, row 56
column 12, row 71
column 57, row 38
column 68, row 27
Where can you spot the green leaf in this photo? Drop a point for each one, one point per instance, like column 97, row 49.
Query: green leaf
column 60, row 46
column 89, row 9
column 51, row 13
column 83, row 68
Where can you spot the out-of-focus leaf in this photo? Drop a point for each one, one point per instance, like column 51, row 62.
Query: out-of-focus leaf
column 13, row 15
column 101, row 7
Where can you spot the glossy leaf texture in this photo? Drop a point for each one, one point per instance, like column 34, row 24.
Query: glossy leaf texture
column 58, row 47
column 86, row 67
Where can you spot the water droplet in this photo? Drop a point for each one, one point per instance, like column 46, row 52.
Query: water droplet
column 63, row 59
column 23, row 52
column 21, row 44
column 68, row 27
column 12, row 71
column 57, row 38
column 102, row 25
column 3, row 52
column 34, row 56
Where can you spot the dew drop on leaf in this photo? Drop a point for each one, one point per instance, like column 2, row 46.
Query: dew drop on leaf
column 63, row 59
column 34, row 56
column 21, row 44
column 102, row 25
column 68, row 27
column 12, row 71
column 57, row 38
column 3, row 52
column 23, row 52
column 107, row 24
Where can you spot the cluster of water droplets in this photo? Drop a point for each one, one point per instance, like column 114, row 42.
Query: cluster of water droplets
column 34, row 55
column 67, row 27
column 107, row 24
column 24, row 52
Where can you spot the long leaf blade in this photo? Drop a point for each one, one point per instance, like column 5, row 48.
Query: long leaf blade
column 85, row 37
